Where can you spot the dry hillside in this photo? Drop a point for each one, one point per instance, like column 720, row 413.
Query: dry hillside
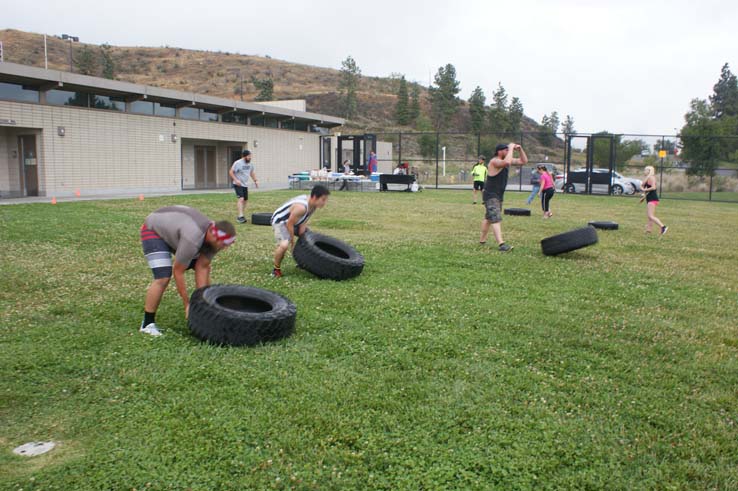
column 216, row 73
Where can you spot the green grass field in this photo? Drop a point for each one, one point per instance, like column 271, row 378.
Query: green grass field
column 445, row 365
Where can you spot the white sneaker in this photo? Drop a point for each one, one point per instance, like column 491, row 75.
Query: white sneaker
column 150, row 329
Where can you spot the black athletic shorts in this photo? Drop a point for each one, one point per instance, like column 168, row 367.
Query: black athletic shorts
column 241, row 191
column 479, row 185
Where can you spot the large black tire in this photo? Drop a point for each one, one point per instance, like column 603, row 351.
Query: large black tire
column 604, row 225
column 522, row 212
column 569, row 241
column 327, row 257
column 261, row 218
column 240, row 315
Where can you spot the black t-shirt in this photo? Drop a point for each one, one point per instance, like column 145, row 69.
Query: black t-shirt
column 495, row 185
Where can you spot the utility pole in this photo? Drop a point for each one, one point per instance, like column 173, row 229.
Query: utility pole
column 46, row 55
column 71, row 55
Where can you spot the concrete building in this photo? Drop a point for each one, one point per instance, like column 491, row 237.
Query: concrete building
column 63, row 133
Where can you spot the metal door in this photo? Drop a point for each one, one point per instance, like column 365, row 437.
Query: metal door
column 205, row 167
column 28, row 165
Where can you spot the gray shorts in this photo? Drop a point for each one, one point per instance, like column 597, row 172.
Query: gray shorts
column 493, row 210
column 280, row 232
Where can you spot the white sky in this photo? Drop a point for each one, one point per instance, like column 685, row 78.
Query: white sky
column 623, row 66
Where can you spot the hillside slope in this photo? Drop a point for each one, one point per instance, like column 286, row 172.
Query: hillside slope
column 216, row 74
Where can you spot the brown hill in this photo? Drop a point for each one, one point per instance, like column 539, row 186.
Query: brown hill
column 217, row 74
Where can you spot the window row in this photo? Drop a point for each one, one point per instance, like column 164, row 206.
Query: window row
column 22, row 93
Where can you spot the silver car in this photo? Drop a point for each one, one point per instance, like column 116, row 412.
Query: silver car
column 577, row 184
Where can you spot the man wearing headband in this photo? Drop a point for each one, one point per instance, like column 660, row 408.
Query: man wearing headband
column 494, row 190
column 193, row 239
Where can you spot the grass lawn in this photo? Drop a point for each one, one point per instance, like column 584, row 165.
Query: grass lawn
column 445, row 365
column 697, row 195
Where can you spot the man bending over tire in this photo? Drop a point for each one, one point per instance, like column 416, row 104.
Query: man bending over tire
column 193, row 239
column 291, row 218
column 494, row 191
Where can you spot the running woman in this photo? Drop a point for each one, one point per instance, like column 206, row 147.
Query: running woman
column 547, row 191
column 291, row 218
column 652, row 200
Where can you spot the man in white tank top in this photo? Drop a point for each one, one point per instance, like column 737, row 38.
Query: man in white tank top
column 290, row 219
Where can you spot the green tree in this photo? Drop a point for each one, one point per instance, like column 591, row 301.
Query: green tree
column 545, row 136
column 86, row 61
column 666, row 144
column 568, row 126
column 427, row 141
column 724, row 100
column 108, row 63
column 444, row 102
column 554, row 122
column 515, row 115
column 402, row 108
column 624, row 150
column 498, row 116
column 265, row 86
column 350, row 73
column 414, row 112
column 477, row 103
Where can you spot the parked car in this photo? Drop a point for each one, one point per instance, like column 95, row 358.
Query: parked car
column 576, row 183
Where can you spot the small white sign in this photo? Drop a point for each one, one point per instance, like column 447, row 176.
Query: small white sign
column 161, row 138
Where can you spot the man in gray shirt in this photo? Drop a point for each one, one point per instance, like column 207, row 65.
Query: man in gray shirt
column 241, row 170
column 193, row 239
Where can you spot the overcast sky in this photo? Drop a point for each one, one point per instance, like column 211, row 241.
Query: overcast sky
column 623, row 66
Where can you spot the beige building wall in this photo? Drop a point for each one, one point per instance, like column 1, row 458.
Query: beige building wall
column 105, row 152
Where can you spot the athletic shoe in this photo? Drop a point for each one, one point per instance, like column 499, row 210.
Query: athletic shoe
column 505, row 248
column 241, row 220
column 664, row 229
column 150, row 329
column 276, row 273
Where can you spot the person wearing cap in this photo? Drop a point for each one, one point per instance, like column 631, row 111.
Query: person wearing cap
column 194, row 239
column 494, row 190
column 479, row 174
column 241, row 170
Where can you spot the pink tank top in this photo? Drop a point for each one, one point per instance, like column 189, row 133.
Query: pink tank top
column 546, row 181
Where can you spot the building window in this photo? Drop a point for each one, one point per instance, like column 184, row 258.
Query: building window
column 67, row 98
column 206, row 115
column 257, row 121
column 288, row 125
column 17, row 92
column 106, row 102
column 164, row 110
column 141, row 107
column 271, row 122
column 189, row 113
column 300, row 126
column 234, row 117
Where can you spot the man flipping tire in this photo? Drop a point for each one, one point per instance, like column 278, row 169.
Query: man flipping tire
column 494, row 190
column 193, row 239
column 291, row 218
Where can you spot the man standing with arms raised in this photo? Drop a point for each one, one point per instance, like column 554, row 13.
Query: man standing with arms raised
column 494, row 190
column 240, row 172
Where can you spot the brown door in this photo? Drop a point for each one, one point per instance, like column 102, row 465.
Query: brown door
column 235, row 154
column 29, row 164
column 205, row 167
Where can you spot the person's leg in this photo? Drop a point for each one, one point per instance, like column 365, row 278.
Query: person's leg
column 154, row 294
column 651, row 210
column 282, row 237
column 551, row 194
column 497, row 230
column 240, row 207
column 485, row 231
column 533, row 193
column 159, row 258
column 279, row 253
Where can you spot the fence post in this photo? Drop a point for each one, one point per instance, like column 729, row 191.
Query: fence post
column 399, row 150
column 710, row 195
column 661, row 173
column 438, row 138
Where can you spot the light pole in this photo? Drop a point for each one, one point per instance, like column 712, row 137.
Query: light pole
column 240, row 74
column 71, row 57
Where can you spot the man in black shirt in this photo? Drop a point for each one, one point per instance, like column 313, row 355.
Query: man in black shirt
column 494, row 190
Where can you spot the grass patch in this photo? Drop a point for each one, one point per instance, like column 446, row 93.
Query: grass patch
column 445, row 365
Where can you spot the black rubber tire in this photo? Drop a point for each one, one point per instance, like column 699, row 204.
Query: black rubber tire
column 261, row 218
column 569, row 241
column 327, row 257
column 522, row 212
column 240, row 315
column 604, row 225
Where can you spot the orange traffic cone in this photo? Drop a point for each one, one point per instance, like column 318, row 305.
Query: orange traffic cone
column 53, row 200
column 77, row 193
column 140, row 197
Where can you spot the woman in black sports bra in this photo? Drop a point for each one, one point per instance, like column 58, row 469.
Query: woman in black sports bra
column 652, row 199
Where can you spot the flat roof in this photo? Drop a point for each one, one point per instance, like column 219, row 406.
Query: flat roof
column 55, row 79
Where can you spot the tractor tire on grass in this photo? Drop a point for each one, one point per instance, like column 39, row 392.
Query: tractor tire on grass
column 604, row 225
column 261, row 218
column 239, row 315
column 569, row 241
column 327, row 257
column 523, row 212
